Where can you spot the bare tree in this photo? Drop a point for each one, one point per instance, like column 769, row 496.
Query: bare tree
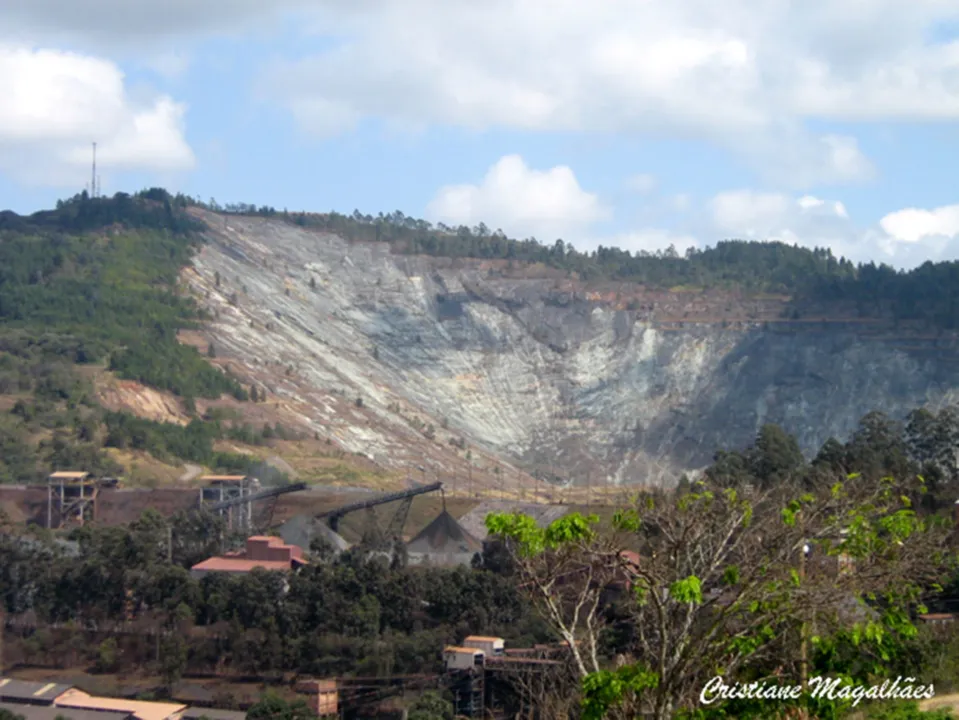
column 724, row 578
column 542, row 691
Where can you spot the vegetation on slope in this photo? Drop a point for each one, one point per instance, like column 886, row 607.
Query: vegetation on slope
column 96, row 281
column 113, row 289
column 814, row 278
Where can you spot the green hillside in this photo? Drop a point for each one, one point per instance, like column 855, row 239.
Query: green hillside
column 95, row 282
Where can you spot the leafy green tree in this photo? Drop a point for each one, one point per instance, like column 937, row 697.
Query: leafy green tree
column 273, row 707
column 431, row 706
column 108, row 656
column 173, row 659
column 775, row 456
column 724, row 586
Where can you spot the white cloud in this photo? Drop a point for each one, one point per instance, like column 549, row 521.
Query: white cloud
column 913, row 225
column 57, row 103
column 807, row 220
column 743, row 73
column 546, row 204
column 903, row 239
column 550, row 204
column 642, row 183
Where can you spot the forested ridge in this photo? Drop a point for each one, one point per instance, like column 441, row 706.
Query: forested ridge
column 95, row 282
column 815, row 279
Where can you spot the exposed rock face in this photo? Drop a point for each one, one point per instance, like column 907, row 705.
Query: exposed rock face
column 533, row 369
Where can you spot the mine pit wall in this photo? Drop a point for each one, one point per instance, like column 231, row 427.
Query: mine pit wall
column 616, row 384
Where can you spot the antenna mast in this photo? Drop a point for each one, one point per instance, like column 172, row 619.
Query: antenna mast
column 93, row 175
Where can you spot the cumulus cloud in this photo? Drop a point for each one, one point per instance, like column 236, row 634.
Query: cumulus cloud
column 741, row 73
column 904, row 239
column 547, row 204
column 912, row 225
column 57, row 103
column 550, row 204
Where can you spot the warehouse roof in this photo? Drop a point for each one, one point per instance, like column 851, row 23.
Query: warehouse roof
column 34, row 693
column 50, row 712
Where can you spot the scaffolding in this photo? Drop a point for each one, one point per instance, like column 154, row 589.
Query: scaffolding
column 469, row 693
column 219, row 490
column 71, row 498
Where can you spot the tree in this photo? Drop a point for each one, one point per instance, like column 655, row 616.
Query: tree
column 273, row 707
column 108, row 656
column 775, row 456
column 173, row 659
column 431, row 706
column 723, row 585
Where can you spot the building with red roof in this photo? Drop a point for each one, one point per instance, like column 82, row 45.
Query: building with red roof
column 267, row 553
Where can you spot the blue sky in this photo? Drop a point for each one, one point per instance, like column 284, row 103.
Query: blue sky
column 637, row 124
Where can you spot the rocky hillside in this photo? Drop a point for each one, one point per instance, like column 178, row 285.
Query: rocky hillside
column 446, row 364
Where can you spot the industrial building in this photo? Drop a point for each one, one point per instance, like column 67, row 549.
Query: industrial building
column 48, row 701
column 491, row 646
column 74, row 699
column 462, row 658
column 267, row 553
column 30, row 693
column 479, row 663
column 323, row 696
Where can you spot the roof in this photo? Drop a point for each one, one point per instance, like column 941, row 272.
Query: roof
column 141, row 709
column 69, row 475
column 463, row 650
column 214, row 478
column 31, row 692
column 194, row 713
column 50, row 712
column 242, row 565
column 483, row 638
column 446, row 535
column 937, row 616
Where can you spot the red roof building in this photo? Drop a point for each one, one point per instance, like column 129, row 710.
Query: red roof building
column 267, row 553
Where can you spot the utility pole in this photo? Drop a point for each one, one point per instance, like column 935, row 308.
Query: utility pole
column 93, row 175
column 169, row 544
